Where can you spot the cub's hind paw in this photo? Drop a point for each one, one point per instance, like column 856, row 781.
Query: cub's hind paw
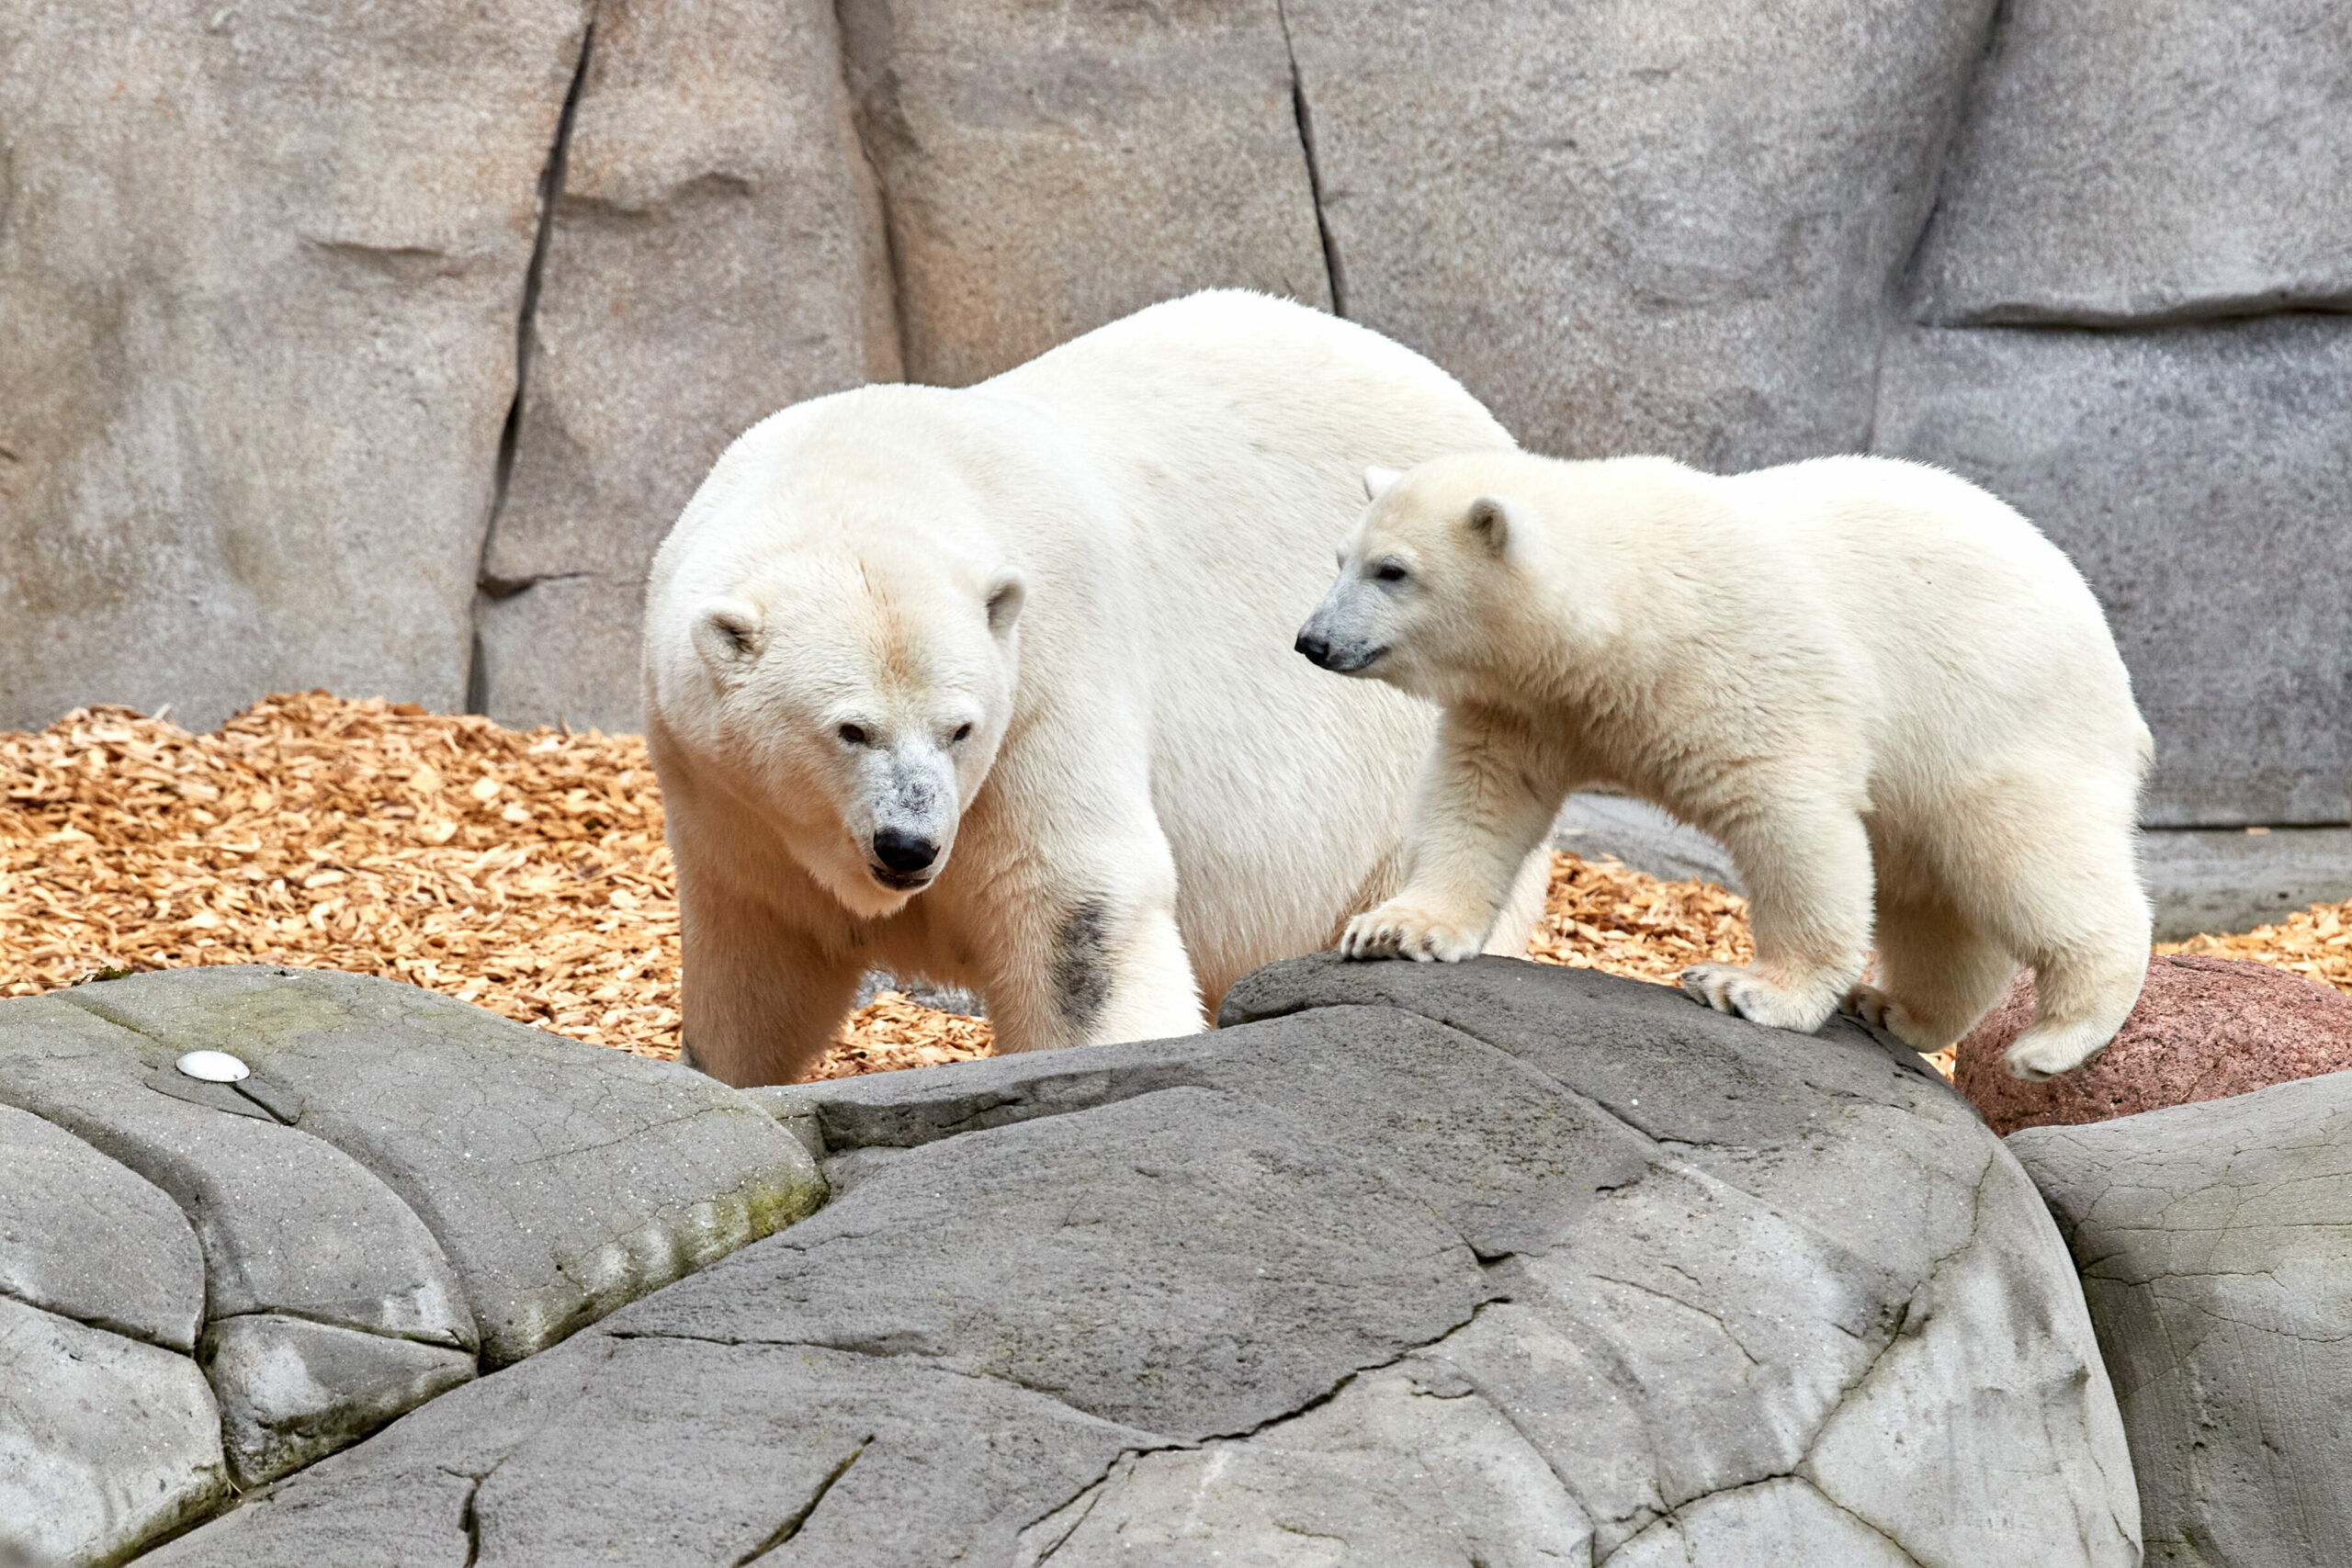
column 1875, row 1010
column 2038, row 1056
column 1401, row 930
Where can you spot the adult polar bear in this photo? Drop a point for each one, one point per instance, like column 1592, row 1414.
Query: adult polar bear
column 994, row 686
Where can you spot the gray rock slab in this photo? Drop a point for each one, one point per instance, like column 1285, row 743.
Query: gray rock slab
column 2215, row 1243
column 1635, row 230
column 1430, row 1264
column 261, row 274
column 561, row 1179
column 1147, row 1326
column 2136, row 161
column 2230, row 880
column 1326, row 1486
column 715, row 252
column 287, row 1222
column 86, row 1238
column 293, row 1391
column 682, row 1452
column 2200, row 477
column 1642, row 835
column 1048, row 170
column 105, row 1442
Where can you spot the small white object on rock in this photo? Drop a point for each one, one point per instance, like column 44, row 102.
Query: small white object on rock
column 213, row 1066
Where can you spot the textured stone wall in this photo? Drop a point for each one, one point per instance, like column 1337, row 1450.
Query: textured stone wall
column 378, row 347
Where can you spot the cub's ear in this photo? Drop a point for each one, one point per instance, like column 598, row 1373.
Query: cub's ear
column 730, row 633
column 1007, row 591
column 1376, row 481
column 1490, row 522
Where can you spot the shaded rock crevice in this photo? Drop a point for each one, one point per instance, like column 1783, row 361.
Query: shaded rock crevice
column 551, row 196
column 866, row 124
column 1301, row 113
column 792, row 1525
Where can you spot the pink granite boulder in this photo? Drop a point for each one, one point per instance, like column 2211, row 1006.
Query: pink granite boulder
column 2205, row 1028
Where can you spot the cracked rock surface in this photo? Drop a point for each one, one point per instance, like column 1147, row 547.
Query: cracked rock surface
column 404, row 1190
column 1408, row 1265
column 2215, row 1243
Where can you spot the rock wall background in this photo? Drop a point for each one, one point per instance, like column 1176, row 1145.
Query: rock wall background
column 376, row 347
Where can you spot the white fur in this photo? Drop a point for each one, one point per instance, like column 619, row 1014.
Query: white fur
column 1894, row 701
column 1155, row 794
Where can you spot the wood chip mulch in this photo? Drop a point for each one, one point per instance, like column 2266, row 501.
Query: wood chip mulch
column 525, row 872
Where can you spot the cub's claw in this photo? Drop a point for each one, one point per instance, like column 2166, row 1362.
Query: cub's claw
column 1400, row 931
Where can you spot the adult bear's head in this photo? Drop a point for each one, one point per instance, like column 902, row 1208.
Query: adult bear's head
column 833, row 635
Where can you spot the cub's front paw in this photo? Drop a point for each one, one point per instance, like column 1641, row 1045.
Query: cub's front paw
column 1728, row 988
column 1401, row 930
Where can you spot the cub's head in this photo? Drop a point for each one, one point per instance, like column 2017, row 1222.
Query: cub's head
column 1428, row 579
column 851, row 686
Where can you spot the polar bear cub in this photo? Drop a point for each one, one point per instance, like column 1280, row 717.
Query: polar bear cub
column 1893, row 700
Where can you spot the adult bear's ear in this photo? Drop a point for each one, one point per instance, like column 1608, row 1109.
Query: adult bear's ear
column 1376, row 481
column 730, row 633
column 1007, row 592
column 1490, row 522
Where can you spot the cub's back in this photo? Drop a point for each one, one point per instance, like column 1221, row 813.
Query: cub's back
column 1982, row 636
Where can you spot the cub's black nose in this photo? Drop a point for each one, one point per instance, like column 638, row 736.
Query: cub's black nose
column 903, row 853
column 1316, row 650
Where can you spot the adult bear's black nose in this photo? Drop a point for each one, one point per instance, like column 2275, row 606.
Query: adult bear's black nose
column 1317, row 649
column 903, row 853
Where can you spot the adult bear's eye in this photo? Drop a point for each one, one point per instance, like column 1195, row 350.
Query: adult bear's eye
column 1389, row 571
column 962, row 732
column 851, row 735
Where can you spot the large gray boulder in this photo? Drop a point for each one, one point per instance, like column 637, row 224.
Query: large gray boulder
column 259, row 283
column 2215, row 1242
column 403, row 1189
column 714, row 251
column 1048, row 169
column 2200, row 477
column 108, row 1434
column 560, row 1180
column 1671, row 228
column 2138, row 161
column 104, row 1441
column 85, row 1238
column 1494, row 1262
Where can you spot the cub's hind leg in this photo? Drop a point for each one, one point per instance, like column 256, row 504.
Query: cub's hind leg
column 2064, row 895
column 1936, row 973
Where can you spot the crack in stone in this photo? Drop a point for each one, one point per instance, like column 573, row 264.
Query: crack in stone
column 468, row 1518
column 791, row 1526
column 116, row 1326
column 1673, row 1515
column 435, row 1342
column 1304, row 118
column 550, row 192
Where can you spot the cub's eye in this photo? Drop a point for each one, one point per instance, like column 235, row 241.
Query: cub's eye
column 1389, row 571
column 963, row 733
column 851, row 735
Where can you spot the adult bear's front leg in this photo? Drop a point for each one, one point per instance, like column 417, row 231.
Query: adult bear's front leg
column 762, row 998
column 1087, row 951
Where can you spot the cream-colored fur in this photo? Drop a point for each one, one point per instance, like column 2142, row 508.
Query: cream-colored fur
column 1894, row 701
column 1096, row 563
